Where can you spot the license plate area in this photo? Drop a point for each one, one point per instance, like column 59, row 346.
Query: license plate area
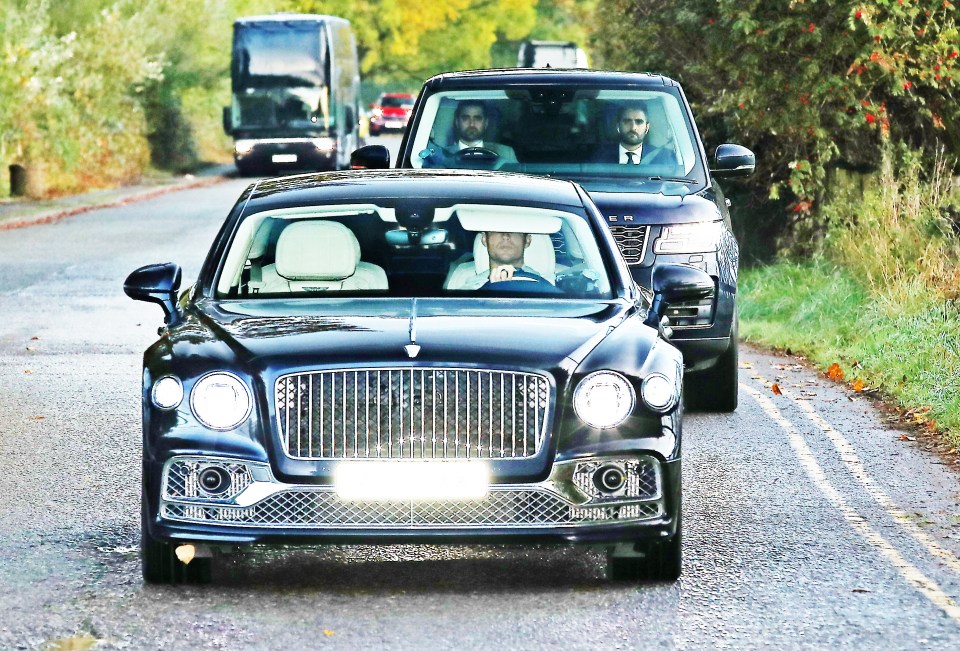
column 284, row 158
column 402, row 481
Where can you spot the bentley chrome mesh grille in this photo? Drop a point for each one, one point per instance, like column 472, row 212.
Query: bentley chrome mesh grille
column 323, row 509
column 423, row 413
column 632, row 241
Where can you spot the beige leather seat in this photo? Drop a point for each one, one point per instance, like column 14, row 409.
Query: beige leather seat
column 317, row 256
column 539, row 256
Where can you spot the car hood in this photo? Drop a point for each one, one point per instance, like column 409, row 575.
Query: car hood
column 647, row 208
column 290, row 334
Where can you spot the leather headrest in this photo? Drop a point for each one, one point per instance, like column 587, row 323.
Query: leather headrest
column 317, row 250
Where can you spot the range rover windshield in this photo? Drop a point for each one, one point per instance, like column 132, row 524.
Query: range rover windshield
column 603, row 139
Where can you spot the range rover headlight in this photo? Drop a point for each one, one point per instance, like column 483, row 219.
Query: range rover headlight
column 603, row 399
column 221, row 401
column 659, row 392
column 701, row 237
column 167, row 392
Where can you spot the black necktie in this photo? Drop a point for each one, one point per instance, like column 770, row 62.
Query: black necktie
column 630, row 156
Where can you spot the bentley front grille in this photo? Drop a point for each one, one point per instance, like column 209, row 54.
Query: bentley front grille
column 632, row 241
column 316, row 508
column 422, row 413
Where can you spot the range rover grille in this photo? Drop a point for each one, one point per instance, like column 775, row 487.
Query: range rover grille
column 632, row 241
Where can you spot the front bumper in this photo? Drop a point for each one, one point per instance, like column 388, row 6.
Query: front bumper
column 564, row 508
column 292, row 153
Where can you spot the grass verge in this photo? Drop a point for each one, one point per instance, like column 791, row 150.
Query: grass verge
column 909, row 350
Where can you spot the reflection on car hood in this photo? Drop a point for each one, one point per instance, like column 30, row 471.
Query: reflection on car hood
column 626, row 207
column 503, row 333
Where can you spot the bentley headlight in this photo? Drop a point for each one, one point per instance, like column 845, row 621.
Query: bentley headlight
column 167, row 392
column 603, row 399
column 701, row 237
column 220, row 401
column 659, row 393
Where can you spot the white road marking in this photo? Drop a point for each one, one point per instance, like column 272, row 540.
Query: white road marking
column 927, row 587
column 849, row 456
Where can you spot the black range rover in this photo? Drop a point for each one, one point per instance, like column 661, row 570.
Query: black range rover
column 630, row 140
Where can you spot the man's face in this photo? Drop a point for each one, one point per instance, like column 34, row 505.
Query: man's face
column 506, row 248
column 471, row 123
column 633, row 127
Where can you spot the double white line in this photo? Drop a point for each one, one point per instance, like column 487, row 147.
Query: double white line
column 848, row 455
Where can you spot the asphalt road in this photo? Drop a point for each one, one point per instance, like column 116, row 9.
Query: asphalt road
column 809, row 523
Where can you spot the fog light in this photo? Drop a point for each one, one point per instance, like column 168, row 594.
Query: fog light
column 214, row 480
column 609, row 478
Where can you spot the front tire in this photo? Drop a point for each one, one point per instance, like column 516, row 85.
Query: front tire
column 662, row 561
column 159, row 562
column 716, row 389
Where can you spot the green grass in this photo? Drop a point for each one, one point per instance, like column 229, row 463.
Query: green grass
column 909, row 349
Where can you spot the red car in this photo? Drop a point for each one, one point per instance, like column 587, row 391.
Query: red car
column 390, row 112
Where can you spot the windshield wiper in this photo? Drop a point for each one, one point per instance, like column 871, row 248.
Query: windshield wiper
column 669, row 179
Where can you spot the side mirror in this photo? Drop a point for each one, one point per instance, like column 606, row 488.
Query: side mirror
column 676, row 283
column 156, row 283
column 371, row 157
column 228, row 120
column 733, row 160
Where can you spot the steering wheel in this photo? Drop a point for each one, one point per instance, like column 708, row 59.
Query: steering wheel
column 476, row 157
column 522, row 281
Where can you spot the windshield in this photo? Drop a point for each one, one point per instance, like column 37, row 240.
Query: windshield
column 408, row 248
column 278, row 54
column 585, row 134
column 396, row 102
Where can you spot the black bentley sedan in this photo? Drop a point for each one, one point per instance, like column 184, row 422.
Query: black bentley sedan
column 631, row 141
column 412, row 356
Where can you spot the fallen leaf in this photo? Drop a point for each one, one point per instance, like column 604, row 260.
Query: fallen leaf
column 952, row 451
column 904, row 437
column 746, row 365
column 34, row 338
column 327, row 632
column 776, row 389
column 31, row 347
column 856, row 364
column 852, row 399
column 39, row 417
column 835, row 372
column 27, row 371
column 861, row 590
column 858, row 385
column 931, row 426
column 186, row 553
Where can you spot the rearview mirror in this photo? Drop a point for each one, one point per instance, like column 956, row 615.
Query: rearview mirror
column 676, row 283
column 156, row 283
column 371, row 157
column 733, row 160
column 228, row 120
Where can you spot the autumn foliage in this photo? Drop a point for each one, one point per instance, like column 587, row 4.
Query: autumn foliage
column 809, row 85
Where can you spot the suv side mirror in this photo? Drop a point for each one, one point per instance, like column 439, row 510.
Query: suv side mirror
column 371, row 157
column 676, row 283
column 156, row 283
column 733, row 160
column 228, row 120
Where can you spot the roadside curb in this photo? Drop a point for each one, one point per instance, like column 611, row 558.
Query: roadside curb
column 55, row 215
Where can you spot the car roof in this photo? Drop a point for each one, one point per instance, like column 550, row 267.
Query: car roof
column 396, row 95
column 459, row 185
column 498, row 77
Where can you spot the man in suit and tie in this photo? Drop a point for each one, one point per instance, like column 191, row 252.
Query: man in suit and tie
column 633, row 127
column 470, row 124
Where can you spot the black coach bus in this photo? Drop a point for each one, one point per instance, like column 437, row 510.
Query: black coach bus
column 296, row 92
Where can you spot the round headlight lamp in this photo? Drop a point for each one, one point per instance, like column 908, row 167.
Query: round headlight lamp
column 220, row 400
column 603, row 399
column 167, row 392
column 659, row 393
